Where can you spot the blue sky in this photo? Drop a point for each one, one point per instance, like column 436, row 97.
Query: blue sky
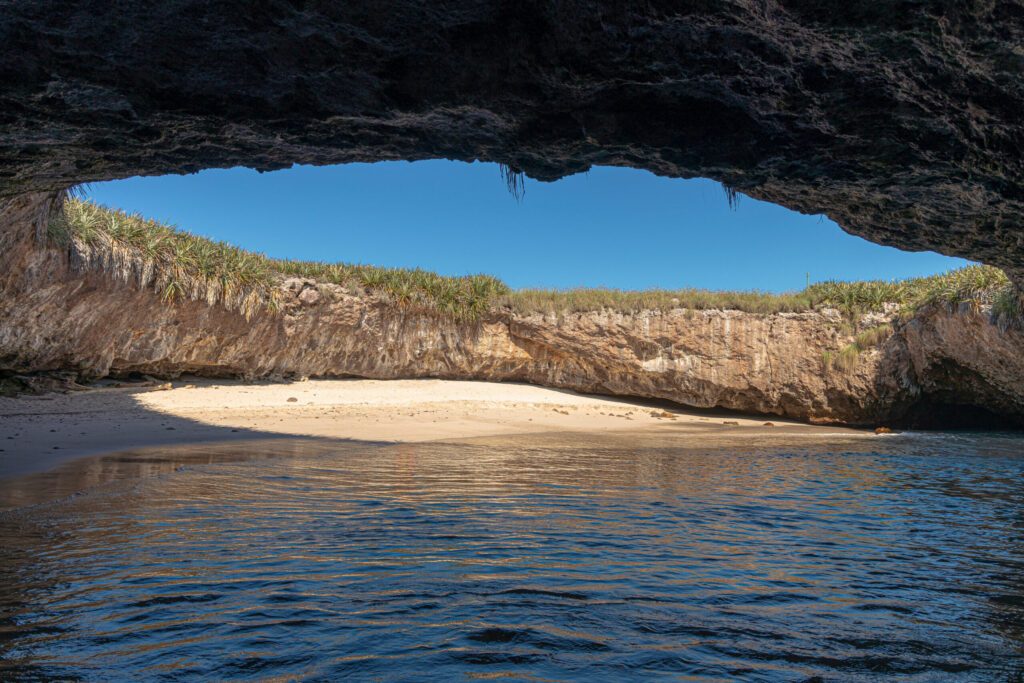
column 611, row 227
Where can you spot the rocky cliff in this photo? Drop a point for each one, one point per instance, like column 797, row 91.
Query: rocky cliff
column 937, row 365
column 899, row 119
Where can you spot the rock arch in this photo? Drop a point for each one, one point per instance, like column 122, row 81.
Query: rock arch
column 900, row 120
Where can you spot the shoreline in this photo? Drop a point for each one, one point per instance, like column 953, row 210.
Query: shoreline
column 39, row 433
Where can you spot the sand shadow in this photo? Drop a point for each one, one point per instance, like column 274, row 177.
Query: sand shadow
column 48, row 453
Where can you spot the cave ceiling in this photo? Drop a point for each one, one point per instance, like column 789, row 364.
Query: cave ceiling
column 901, row 120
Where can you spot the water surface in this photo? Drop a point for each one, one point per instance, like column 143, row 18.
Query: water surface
column 528, row 558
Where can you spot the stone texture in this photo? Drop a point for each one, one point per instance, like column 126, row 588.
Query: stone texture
column 900, row 119
column 55, row 319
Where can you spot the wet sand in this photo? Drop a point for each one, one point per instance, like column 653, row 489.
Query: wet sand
column 38, row 433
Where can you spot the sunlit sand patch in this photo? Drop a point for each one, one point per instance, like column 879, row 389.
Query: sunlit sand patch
column 38, row 433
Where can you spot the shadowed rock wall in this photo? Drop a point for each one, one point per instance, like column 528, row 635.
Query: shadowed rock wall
column 900, row 119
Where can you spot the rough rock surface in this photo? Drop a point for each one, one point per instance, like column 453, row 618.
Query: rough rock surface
column 900, row 119
column 55, row 319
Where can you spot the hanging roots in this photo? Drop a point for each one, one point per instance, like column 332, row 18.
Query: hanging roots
column 731, row 196
column 514, row 179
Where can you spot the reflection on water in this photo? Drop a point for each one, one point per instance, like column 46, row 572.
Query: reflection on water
column 535, row 558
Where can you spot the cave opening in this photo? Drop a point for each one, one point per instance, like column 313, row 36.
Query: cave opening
column 451, row 250
column 938, row 413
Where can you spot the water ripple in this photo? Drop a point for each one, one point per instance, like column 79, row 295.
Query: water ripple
column 539, row 558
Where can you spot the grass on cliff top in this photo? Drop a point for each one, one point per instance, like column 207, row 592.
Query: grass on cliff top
column 180, row 265
column 973, row 285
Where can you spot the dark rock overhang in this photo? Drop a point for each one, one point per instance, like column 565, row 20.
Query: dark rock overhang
column 903, row 120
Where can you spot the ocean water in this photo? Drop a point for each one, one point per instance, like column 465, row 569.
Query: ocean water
column 538, row 558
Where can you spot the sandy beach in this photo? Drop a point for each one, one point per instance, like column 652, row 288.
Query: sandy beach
column 38, row 433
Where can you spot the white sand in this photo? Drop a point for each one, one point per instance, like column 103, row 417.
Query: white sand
column 38, row 433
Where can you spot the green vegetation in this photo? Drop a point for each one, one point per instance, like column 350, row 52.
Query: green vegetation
column 973, row 285
column 175, row 263
column 844, row 360
column 581, row 300
column 1008, row 307
column 847, row 357
column 872, row 337
column 180, row 265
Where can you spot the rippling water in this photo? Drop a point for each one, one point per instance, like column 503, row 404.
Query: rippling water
column 530, row 558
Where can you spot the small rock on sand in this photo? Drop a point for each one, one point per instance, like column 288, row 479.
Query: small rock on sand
column 731, row 422
column 292, row 399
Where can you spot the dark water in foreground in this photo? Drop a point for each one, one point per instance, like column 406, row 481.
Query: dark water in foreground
column 533, row 558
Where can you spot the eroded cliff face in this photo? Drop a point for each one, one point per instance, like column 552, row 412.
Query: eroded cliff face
column 899, row 119
column 53, row 318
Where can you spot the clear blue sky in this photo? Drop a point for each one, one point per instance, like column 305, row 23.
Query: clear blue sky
column 611, row 227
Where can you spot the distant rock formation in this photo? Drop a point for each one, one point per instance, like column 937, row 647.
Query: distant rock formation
column 936, row 367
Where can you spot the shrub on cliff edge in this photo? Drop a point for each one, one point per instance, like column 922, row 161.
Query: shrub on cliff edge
column 180, row 265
